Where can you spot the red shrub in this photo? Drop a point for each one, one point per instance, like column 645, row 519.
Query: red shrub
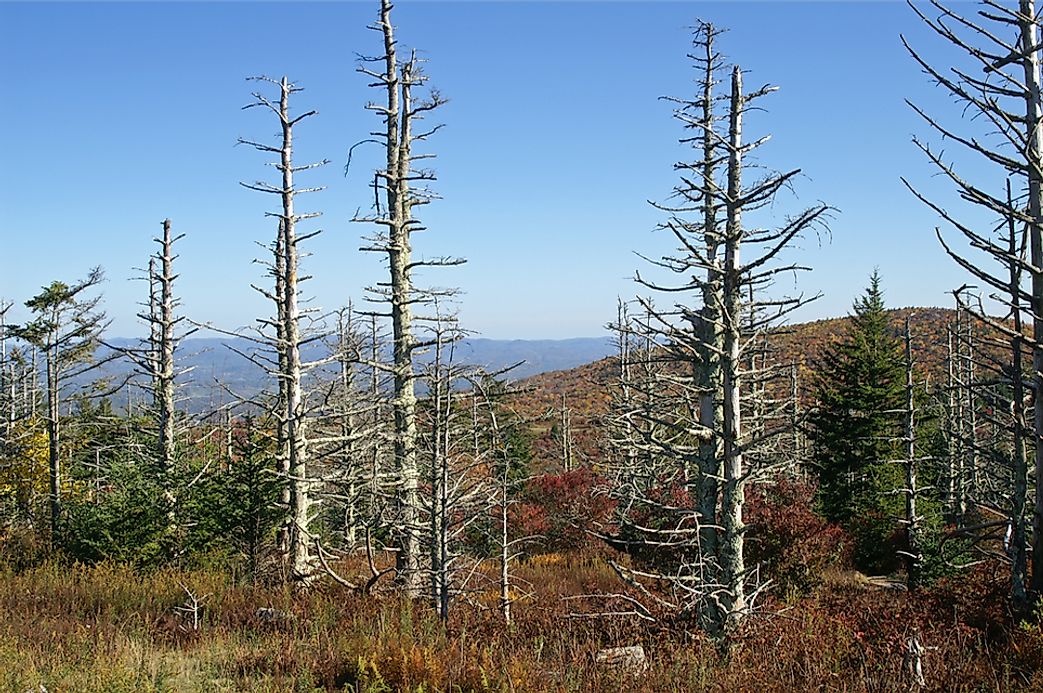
column 794, row 544
column 559, row 508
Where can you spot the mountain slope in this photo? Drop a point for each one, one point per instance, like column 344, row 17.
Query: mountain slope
column 587, row 389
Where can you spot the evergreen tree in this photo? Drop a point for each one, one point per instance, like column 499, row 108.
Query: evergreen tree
column 248, row 490
column 859, row 395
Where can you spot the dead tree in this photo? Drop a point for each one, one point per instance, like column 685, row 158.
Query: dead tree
column 496, row 428
column 702, row 543
column 954, row 498
column 565, row 436
column 165, row 322
column 8, row 382
column 155, row 359
column 700, row 194
column 913, row 554
column 454, row 471
column 289, row 336
column 1002, row 103
column 347, row 445
column 399, row 188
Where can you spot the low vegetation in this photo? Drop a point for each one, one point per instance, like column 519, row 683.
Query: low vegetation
column 108, row 627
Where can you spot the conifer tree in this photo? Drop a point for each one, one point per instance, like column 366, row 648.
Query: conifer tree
column 859, row 395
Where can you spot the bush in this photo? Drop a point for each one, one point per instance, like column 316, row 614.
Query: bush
column 124, row 521
column 557, row 508
column 794, row 544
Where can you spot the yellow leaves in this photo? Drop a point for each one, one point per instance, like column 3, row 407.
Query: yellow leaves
column 24, row 472
column 25, row 468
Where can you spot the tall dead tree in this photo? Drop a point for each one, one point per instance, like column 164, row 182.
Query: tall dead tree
column 399, row 188
column 1003, row 125
column 456, row 472
column 700, row 194
column 288, row 331
column 707, row 353
column 913, row 554
column 953, row 496
column 165, row 321
column 155, row 359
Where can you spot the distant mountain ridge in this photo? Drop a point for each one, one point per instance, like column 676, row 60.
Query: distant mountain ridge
column 580, row 369
column 217, row 374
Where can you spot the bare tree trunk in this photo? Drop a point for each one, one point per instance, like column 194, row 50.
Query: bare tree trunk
column 376, row 450
column 399, row 111
column 1029, row 46
column 54, row 430
column 964, row 399
column 733, row 566
column 914, row 556
column 282, row 440
column 505, row 545
column 970, row 482
column 300, row 503
column 290, row 405
column 436, row 517
column 709, row 333
column 1018, row 549
column 952, row 431
column 567, row 460
column 164, row 397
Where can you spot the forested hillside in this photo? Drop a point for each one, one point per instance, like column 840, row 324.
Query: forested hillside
column 587, row 389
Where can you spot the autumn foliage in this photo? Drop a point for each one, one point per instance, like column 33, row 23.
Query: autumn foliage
column 557, row 510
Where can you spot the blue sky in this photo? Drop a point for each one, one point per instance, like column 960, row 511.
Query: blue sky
column 121, row 114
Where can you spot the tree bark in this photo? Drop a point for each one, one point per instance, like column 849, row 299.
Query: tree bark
column 733, row 565
column 1034, row 157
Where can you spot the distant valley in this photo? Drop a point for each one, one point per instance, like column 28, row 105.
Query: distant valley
column 215, row 374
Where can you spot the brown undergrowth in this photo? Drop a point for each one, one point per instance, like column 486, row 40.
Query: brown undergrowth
column 108, row 628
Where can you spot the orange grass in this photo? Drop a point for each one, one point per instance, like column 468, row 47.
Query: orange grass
column 108, row 628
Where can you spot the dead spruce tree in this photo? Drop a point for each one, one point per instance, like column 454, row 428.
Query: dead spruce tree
column 1002, row 125
column 912, row 522
column 8, row 392
column 686, row 521
column 959, row 433
column 455, row 473
column 291, row 412
column 347, row 456
column 155, row 359
column 163, row 321
column 399, row 188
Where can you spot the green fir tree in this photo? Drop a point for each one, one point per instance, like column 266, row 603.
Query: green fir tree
column 859, row 392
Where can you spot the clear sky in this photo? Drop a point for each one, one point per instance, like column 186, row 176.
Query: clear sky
column 117, row 115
